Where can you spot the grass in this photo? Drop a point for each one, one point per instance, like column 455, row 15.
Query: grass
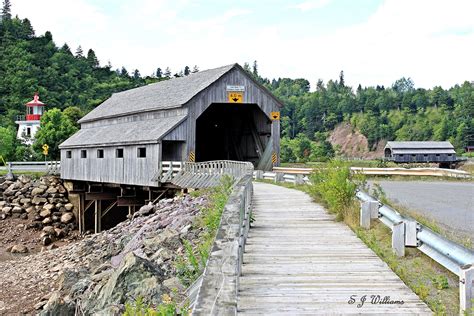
column 191, row 265
column 34, row 175
column 435, row 285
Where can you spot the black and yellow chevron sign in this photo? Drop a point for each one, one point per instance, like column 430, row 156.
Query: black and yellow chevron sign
column 274, row 158
column 192, row 156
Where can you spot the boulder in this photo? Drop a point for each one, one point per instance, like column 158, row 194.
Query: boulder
column 39, row 200
column 69, row 207
column 52, row 190
column 37, row 191
column 47, row 221
column 7, row 210
column 49, row 230
column 66, row 218
column 25, row 201
column 135, row 277
column 60, row 233
column 17, row 209
column 46, row 241
column 45, row 213
column 49, row 207
column 19, row 249
column 145, row 210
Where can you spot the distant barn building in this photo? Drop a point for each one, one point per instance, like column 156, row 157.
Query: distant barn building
column 217, row 114
column 419, row 152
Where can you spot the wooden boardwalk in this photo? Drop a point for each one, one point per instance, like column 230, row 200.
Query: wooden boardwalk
column 298, row 260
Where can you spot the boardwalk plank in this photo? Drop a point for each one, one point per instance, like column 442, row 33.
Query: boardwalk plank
column 299, row 261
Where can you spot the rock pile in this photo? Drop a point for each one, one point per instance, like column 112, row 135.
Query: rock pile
column 42, row 202
column 101, row 272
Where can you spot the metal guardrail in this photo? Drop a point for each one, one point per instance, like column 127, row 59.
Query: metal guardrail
column 50, row 167
column 407, row 232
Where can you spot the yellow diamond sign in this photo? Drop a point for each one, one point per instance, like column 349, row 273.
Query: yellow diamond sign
column 45, row 149
column 236, row 97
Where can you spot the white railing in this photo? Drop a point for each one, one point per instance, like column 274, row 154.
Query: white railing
column 50, row 167
column 431, row 172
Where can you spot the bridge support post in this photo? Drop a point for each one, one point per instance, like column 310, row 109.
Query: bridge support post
column 466, row 288
column 97, row 216
column 398, row 239
column 368, row 211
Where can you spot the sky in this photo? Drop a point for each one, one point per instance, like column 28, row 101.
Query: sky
column 374, row 42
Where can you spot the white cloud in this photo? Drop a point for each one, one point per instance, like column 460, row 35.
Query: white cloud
column 311, row 5
column 431, row 41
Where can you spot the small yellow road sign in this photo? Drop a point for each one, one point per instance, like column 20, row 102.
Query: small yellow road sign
column 275, row 116
column 274, row 158
column 45, row 149
column 236, row 97
column 192, row 157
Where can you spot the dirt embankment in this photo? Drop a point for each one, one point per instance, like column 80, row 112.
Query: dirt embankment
column 353, row 144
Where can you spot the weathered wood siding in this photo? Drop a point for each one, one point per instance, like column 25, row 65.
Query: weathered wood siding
column 217, row 93
column 407, row 158
column 127, row 170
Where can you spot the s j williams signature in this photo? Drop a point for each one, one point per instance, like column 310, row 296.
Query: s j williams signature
column 373, row 299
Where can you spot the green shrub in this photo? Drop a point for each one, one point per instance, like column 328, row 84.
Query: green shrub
column 335, row 186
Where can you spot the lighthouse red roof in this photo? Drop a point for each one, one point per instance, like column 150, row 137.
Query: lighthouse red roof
column 36, row 101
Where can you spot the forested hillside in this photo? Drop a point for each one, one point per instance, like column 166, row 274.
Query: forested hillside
column 399, row 112
column 74, row 83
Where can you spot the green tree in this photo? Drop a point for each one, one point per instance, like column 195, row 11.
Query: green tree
column 7, row 143
column 6, row 10
column 92, row 59
column 73, row 114
column 55, row 129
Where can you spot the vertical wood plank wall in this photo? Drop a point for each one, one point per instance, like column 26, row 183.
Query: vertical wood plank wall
column 217, row 93
column 127, row 170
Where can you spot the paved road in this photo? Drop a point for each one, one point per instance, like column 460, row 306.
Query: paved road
column 449, row 203
column 299, row 261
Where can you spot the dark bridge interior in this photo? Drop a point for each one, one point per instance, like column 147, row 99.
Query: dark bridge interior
column 232, row 132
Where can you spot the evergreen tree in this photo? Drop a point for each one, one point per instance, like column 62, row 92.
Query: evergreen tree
column 6, row 10
column 341, row 79
column 187, row 71
column 167, row 72
column 124, row 72
column 136, row 74
column 79, row 52
column 92, row 59
column 159, row 73
column 195, row 69
column 255, row 68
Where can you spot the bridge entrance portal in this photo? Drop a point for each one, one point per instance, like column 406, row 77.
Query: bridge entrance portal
column 239, row 132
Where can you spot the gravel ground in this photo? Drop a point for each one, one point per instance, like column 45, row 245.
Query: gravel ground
column 451, row 204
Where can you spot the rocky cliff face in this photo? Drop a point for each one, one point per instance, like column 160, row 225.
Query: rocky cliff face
column 103, row 271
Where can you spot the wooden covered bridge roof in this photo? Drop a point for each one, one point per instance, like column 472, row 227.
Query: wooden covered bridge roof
column 167, row 94
column 417, row 147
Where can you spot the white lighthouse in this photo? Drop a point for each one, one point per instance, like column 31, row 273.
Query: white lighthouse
column 29, row 126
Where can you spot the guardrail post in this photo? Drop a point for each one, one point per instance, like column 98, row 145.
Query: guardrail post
column 258, row 174
column 398, row 238
column 299, row 179
column 411, row 229
column 10, row 174
column 368, row 210
column 466, row 288
column 279, row 177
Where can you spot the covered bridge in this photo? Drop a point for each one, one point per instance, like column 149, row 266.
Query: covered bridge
column 419, row 152
column 216, row 114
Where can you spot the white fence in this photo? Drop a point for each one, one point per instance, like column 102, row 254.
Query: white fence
column 50, row 167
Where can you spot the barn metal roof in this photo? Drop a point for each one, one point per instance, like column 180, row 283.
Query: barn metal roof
column 162, row 95
column 420, row 145
column 149, row 131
